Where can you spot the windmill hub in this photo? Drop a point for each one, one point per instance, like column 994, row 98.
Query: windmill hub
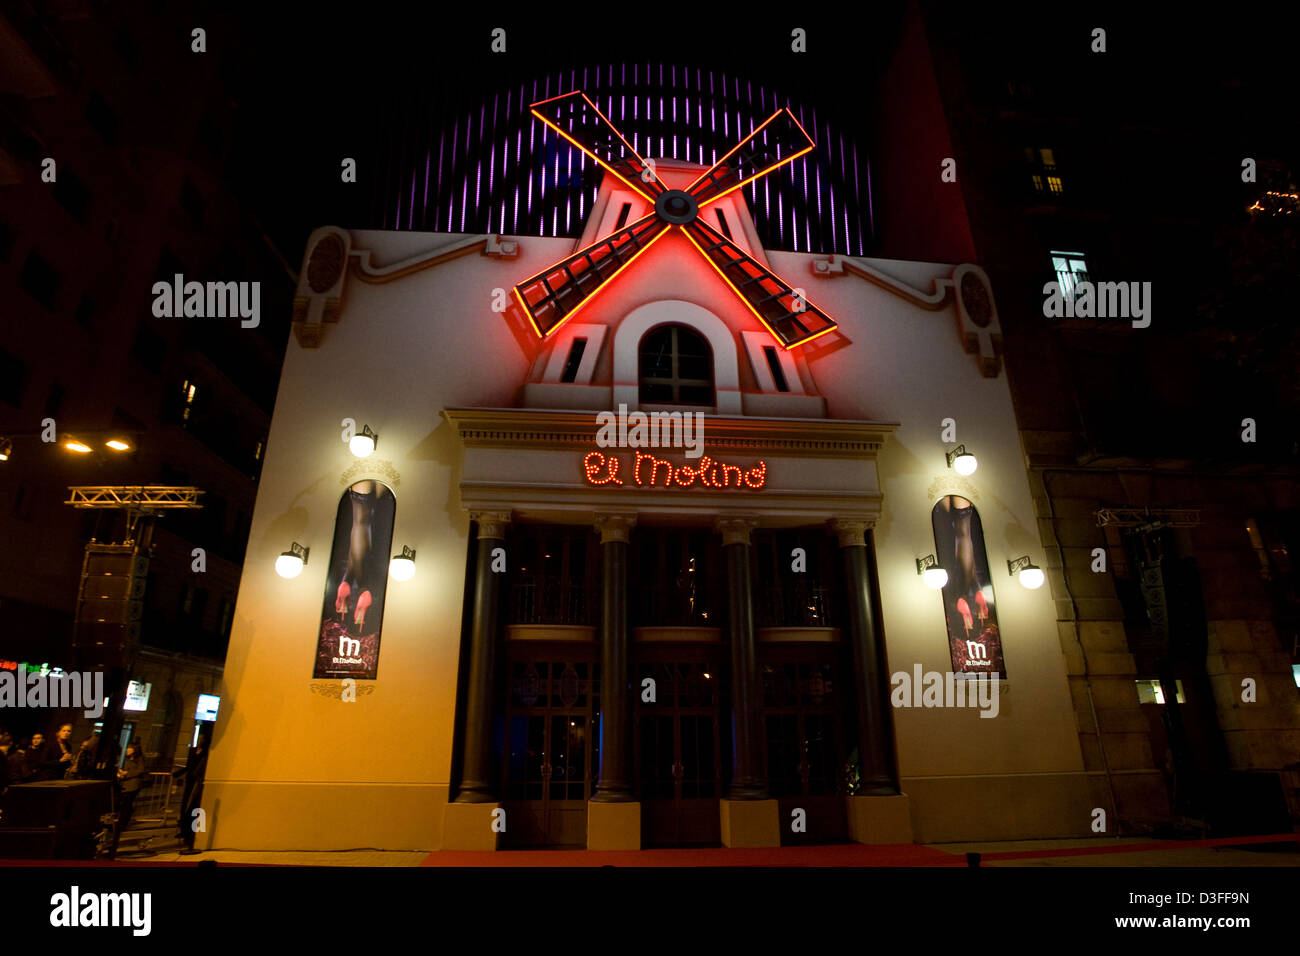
column 677, row 206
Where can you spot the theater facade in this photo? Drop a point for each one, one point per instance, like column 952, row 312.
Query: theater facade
column 684, row 630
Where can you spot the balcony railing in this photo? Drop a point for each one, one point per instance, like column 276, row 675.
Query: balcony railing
column 802, row 604
column 676, row 606
column 537, row 600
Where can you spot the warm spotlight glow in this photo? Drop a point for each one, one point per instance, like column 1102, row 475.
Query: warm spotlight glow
column 402, row 567
column 6, row 447
column 965, row 464
column 80, row 448
column 288, row 565
column 118, row 444
column 363, row 442
column 1031, row 577
column 935, row 578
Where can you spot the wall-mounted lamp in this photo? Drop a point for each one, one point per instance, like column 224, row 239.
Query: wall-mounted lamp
column 402, row 567
column 363, row 442
column 290, row 564
column 934, row 576
column 118, row 444
column 80, row 447
column 6, row 449
column 962, row 461
column 1031, row 575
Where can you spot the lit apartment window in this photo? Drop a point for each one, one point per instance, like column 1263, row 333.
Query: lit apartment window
column 1070, row 270
column 1150, row 692
column 1043, row 171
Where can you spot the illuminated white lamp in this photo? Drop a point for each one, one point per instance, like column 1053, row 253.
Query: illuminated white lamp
column 363, row 442
column 962, row 461
column 290, row 564
column 1031, row 575
column 402, row 567
column 934, row 576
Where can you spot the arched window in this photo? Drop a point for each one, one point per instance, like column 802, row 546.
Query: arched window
column 676, row 367
column 973, row 636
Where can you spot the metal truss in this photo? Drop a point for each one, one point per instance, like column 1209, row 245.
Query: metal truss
column 1148, row 518
column 134, row 497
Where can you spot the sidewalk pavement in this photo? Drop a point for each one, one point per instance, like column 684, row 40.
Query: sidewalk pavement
column 1103, row 852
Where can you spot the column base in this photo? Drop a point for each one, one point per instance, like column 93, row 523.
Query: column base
column 750, row 822
column 880, row 820
column 613, row 826
column 468, row 826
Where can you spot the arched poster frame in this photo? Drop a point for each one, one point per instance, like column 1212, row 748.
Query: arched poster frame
column 970, row 609
column 356, row 583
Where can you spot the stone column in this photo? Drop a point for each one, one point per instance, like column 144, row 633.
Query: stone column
column 747, row 781
column 749, row 816
column 615, row 782
column 879, row 814
column 613, row 813
column 476, row 776
column 870, row 684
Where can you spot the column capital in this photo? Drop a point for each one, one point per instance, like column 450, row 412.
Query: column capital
column 614, row 527
column 851, row 531
column 491, row 524
column 735, row 530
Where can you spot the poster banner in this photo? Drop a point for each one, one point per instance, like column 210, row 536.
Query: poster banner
column 353, row 613
column 968, row 602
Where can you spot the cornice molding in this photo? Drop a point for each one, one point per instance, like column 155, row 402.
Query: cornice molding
column 568, row 430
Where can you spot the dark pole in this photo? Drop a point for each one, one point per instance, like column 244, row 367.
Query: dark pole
column 614, row 784
column 476, row 778
column 747, row 780
column 875, row 722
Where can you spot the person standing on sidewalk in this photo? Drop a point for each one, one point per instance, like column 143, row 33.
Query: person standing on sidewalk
column 131, row 779
column 55, row 756
column 193, row 772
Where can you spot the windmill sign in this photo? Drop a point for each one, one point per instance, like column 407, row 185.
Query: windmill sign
column 552, row 297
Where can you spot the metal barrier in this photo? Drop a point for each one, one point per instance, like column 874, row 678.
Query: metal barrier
column 155, row 804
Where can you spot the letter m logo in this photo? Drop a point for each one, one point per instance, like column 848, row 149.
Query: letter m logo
column 976, row 651
column 349, row 647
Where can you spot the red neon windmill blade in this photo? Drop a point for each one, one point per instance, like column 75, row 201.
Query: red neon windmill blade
column 575, row 117
column 555, row 295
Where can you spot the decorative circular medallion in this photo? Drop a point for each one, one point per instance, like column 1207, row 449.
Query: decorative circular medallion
column 976, row 298
column 677, row 206
column 326, row 264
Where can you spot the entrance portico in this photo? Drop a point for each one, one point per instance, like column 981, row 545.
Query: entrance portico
column 655, row 665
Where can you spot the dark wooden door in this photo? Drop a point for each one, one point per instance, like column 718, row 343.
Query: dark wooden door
column 679, row 745
column 803, row 719
column 551, row 751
